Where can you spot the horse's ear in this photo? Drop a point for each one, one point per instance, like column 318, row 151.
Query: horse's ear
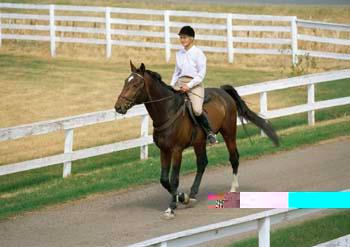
column 142, row 68
column 132, row 67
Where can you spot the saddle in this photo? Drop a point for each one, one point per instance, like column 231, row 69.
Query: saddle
column 188, row 104
column 207, row 97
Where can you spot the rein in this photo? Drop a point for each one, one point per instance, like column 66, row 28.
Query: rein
column 161, row 99
column 150, row 101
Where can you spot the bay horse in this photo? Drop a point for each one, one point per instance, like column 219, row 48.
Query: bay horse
column 174, row 130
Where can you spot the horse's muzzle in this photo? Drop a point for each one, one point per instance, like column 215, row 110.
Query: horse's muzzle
column 122, row 105
column 120, row 109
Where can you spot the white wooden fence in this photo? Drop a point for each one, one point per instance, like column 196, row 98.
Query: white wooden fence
column 70, row 123
column 260, row 221
column 56, row 32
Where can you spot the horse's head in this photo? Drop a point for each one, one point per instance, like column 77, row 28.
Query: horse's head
column 133, row 91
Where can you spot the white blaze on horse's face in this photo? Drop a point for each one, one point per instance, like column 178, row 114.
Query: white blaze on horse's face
column 131, row 93
column 130, row 78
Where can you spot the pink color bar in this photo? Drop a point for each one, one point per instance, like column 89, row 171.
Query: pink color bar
column 264, row 200
column 212, row 197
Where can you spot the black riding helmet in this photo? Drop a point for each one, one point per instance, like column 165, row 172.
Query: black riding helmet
column 187, row 30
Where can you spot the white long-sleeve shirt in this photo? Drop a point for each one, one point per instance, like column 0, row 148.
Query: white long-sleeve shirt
column 192, row 63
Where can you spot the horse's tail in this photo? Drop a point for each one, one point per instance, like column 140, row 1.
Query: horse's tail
column 245, row 112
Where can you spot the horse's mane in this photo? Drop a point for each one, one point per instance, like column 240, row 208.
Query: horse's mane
column 157, row 77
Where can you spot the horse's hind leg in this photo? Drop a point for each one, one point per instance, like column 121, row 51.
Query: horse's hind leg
column 234, row 159
column 229, row 135
column 202, row 161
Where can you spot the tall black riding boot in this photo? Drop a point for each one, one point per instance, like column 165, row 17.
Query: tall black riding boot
column 204, row 123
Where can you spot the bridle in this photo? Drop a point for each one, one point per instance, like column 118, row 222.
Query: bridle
column 149, row 95
column 169, row 122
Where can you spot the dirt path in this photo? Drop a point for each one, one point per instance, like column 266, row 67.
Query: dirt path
column 121, row 218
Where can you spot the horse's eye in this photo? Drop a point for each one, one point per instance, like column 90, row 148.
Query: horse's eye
column 135, row 85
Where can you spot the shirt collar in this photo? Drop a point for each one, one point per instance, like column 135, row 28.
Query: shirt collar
column 184, row 50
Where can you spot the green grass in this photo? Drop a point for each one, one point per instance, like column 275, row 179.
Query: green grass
column 38, row 188
column 307, row 234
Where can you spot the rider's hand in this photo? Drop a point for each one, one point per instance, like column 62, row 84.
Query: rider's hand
column 176, row 88
column 184, row 88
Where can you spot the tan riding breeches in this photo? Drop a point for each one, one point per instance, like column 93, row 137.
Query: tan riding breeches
column 196, row 94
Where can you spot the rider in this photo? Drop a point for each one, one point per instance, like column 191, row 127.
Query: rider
column 190, row 69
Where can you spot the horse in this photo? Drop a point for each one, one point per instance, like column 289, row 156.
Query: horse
column 175, row 130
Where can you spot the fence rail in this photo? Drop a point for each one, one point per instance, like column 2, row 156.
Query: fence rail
column 70, row 123
column 287, row 46
column 260, row 221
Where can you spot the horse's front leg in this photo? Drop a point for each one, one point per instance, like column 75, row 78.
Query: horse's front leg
column 165, row 160
column 202, row 162
column 174, row 183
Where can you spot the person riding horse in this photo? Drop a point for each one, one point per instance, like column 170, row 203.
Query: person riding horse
column 174, row 130
column 190, row 70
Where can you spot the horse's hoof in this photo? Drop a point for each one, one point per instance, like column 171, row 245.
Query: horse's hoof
column 191, row 202
column 183, row 198
column 168, row 214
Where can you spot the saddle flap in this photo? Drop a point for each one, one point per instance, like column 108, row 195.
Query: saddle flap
column 190, row 110
column 207, row 97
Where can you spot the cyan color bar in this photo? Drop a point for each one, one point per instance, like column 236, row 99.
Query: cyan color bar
column 319, row 199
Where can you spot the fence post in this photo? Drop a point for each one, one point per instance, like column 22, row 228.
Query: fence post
column 294, row 41
column 229, row 38
column 52, row 31
column 68, row 148
column 167, row 35
column 144, row 133
column 108, row 32
column 264, row 232
column 0, row 31
column 263, row 106
column 310, row 102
